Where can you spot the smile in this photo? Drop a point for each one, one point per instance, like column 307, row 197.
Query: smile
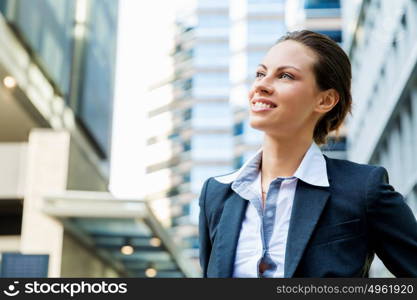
column 262, row 105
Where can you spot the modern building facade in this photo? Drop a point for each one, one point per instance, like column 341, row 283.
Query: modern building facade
column 322, row 16
column 55, row 119
column 57, row 68
column 381, row 39
column 190, row 119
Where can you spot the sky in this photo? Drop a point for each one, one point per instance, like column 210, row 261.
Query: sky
column 144, row 41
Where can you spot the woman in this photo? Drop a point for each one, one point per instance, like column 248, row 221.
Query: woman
column 291, row 211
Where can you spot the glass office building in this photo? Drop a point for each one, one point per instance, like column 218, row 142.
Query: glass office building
column 191, row 135
column 381, row 40
column 57, row 66
column 78, row 60
column 322, row 16
column 57, row 217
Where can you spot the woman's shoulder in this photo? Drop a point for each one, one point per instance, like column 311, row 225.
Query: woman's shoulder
column 349, row 167
column 225, row 178
column 349, row 163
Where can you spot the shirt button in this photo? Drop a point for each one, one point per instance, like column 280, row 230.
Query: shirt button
column 269, row 214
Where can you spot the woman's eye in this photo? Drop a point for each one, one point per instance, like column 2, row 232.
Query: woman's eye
column 259, row 74
column 285, row 75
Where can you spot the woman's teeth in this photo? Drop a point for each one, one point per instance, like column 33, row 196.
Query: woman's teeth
column 262, row 105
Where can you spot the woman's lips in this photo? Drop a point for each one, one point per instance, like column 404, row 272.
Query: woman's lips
column 262, row 105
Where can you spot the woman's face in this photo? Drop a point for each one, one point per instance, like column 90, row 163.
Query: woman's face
column 284, row 94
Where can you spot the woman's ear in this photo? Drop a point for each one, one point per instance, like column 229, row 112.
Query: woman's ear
column 327, row 100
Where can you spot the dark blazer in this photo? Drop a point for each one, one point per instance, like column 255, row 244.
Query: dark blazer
column 334, row 231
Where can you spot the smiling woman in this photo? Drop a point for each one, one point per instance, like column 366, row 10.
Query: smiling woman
column 291, row 211
column 311, row 71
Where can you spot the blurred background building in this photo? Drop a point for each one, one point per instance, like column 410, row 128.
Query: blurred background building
column 57, row 68
column 381, row 40
column 322, row 16
column 192, row 119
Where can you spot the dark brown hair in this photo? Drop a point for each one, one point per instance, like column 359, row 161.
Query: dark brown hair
column 332, row 71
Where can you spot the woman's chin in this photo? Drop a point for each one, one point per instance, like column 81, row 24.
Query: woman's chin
column 266, row 126
column 258, row 124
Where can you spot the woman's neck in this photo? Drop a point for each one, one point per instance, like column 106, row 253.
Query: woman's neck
column 281, row 157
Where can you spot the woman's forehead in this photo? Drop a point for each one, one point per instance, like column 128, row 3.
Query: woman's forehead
column 290, row 53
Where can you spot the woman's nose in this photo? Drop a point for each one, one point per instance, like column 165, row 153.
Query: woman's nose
column 263, row 87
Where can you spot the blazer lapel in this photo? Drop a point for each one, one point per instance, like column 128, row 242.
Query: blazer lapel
column 308, row 205
column 228, row 233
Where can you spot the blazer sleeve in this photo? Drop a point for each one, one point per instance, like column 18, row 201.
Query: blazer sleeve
column 392, row 225
column 203, row 232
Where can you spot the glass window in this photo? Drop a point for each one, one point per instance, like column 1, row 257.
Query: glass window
column 238, row 162
column 186, row 209
column 212, row 4
column 199, row 174
column 238, row 129
column 213, row 21
column 211, row 93
column 212, row 32
column 47, row 28
column 265, row 31
column 183, row 84
column 251, row 135
column 212, row 115
column 187, row 114
column 186, row 177
column 187, row 146
column 266, row 26
column 3, row 6
column 211, row 84
column 266, row 6
column 320, row 4
column 335, row 35
column 248, row 155
column 211, row 80
column 96, row 97
column 254, row 59
column 212, row 147
column 266, row 1
column 212, row 54
column 334, row 144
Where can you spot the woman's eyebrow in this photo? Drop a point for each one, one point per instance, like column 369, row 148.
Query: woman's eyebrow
column 281, row 67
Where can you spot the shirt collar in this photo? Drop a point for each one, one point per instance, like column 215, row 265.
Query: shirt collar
column 311, row 170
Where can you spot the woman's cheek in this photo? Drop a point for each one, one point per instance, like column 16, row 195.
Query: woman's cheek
column 250, row 94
